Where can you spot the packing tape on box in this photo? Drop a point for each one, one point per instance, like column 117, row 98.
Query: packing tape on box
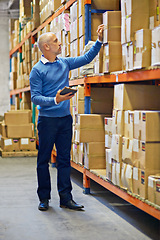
column 111, row 27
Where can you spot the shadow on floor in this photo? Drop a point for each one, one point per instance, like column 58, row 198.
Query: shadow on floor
column 145, row 223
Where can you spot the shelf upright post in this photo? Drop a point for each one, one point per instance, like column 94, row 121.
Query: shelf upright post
column 87, row 21
column 87, row 97
column 87, row 87
column 86, row 182
column 33, row 105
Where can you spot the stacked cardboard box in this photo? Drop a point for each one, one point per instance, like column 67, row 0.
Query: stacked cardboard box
column 146, row 148
column 89, row 130
column 154, row 14
column 154, row 189
column 112, row 50
column 47, row 8
column 26, row 101
column 135, row 16
column 17, row 131
column 140, row 142
column 155, row 51
column 12, row 33
column 142, row 49
column 101, row 103
column 13, row 73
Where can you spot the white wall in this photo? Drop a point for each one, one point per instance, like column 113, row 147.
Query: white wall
column 4, row 65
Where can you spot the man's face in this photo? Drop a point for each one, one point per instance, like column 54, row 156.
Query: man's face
column 54, row 45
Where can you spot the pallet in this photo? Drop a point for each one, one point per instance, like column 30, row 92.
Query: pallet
column 18, row 154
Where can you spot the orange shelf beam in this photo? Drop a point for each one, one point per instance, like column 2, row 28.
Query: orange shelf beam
column 77, row 167
column 107, row 78
column 17, row 91
column 122, row 194
column 141, row 75
column 87, row 2
column 119, row 192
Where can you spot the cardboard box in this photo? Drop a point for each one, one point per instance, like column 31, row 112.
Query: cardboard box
column 140, row 181
column 6, row 144
column 16, row 144
column 112, row 57
column 81, row 26
column 19, row 117
column 13, row 79
column 118, row 122
column 94, row 155
column 136, row 97
column 96, row 20
column 3, row 130
column 127, row 150
column 74, row 9
column 147, row 125
column 28, row 144
column 116, row 173
column 105, row 4
column 142, row 49
column 108, row 164
column 81, row 8
column 155, row 50
column 123, row 30
column 89, row 128
column 154, row 13
column 108, row 131
column 146, row 155
column 112, row 22
column 20, row 131
column 127, row 56
column 127, row 176
column 116, row 147
column 137, row 16
column 128, row 124
column 136, row 6
column 154, row 189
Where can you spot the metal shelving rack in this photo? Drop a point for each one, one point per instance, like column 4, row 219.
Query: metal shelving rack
column 134, row 76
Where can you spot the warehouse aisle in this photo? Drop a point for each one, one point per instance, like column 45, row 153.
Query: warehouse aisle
column 105, row 217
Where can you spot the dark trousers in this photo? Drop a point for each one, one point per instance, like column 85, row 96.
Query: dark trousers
column 56, row 130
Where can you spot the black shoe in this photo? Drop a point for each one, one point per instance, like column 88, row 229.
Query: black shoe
column 44, row 205
column 72, row 205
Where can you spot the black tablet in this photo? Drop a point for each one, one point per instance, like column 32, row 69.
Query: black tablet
column 66, row 90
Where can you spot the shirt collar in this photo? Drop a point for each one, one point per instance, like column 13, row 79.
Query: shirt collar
column 45, row 60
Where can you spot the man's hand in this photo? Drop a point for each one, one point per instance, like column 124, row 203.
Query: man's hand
column 100, row 32
column 60, row 98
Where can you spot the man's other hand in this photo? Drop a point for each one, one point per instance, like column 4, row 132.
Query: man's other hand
column 60, row 98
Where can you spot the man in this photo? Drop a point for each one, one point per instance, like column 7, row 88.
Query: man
column 47, row 78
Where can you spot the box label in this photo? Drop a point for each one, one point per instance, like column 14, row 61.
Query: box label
column 142, row 177
column 126, row 117
column 135, row 145
column 24, row 141
column 150, row 182
column 143, row 146
column 135, row 173
column 143, row 117
column 129, row 171
column 158, row 187
column 118, row 168
column 8, row 142
column 130, row 145
column 136, row 117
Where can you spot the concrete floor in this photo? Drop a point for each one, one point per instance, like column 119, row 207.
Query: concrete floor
column 106, row 216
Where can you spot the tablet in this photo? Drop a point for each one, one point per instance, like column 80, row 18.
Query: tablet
column 66, row 90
